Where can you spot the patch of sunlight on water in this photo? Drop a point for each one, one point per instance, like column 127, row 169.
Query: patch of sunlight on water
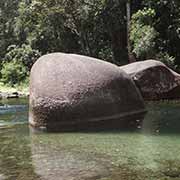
column 152, row 153
column 2, row 177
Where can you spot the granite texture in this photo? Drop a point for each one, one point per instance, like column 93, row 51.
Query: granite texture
column 154, row 79
column 71, row 92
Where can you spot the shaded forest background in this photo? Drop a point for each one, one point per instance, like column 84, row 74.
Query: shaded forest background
column 97, row 28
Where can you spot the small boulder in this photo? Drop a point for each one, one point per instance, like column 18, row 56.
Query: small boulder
column 9, row 95
column 71, row 92
column 154, row 79
column 12, row 95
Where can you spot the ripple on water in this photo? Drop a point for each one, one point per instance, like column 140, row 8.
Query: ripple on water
column 11, row 115
column 93, row 156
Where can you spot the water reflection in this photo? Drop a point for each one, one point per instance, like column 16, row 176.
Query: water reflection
column 13, row 112
column 105, row 155
column 53, row 159
column 152, row 153
column 162, row 118
column 15, row 154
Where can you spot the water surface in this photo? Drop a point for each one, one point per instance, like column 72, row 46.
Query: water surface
column 152, row 152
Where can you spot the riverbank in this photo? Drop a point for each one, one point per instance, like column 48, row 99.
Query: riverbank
column 7, row 91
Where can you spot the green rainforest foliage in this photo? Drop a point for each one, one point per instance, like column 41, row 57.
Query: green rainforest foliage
column 97, row 28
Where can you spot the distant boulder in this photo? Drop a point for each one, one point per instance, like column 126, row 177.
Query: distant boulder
column 9, row 95
column 154, row 79
column 71, row 92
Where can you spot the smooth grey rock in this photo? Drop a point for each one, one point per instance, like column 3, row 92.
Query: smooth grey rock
column 71, row 92
column 154, row 79
column 12, row 95
column 9, row 95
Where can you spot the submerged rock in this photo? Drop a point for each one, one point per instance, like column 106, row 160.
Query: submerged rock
column 52, row 159
column 154, row 79
column 71, row 92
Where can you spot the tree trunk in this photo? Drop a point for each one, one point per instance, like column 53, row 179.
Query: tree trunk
column 128, row 14
column 119, row 44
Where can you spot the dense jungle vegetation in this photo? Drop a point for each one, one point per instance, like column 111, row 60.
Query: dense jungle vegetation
column 118, row 31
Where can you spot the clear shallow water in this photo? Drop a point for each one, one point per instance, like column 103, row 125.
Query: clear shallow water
column 150, row 153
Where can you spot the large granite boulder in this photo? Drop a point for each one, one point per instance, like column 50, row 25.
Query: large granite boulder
column 71, row 92
column 154, row 79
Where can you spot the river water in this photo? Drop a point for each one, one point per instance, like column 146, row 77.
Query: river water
column 151, row 152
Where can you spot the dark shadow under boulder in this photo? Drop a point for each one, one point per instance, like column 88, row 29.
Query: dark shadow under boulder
column 72, row 92
column 154, row 79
